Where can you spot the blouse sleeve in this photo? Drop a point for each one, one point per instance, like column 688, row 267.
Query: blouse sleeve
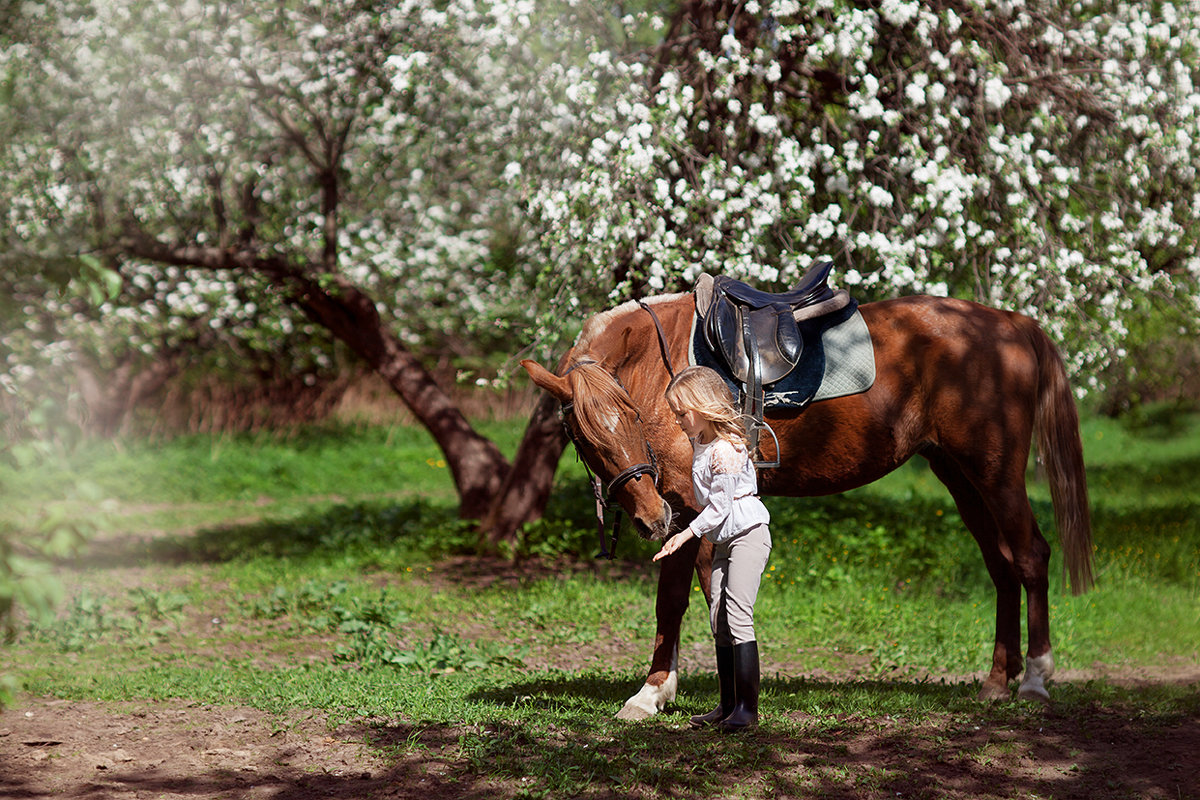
column 726, row 464
column 719, row 505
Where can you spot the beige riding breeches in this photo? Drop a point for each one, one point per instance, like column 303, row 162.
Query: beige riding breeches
column 737, row 570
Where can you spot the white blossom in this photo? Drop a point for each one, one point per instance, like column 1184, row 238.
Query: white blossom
column 996, row 93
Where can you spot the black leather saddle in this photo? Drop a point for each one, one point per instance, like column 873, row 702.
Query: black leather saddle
column 755, row 334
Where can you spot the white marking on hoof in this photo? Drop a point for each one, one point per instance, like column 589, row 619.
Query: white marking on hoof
column 1037, row 672
column 652, row 699
column 649, row 700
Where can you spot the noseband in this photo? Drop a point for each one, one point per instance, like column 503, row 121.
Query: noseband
column 600, row 490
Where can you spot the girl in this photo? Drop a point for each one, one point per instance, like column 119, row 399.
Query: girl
column 735, row 521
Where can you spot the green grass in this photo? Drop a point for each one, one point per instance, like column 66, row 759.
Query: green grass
column 201, row 478
column 322, row 501
column 327, row 570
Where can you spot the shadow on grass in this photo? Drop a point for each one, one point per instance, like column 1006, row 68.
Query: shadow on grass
column 553, row 735
column 430, row 529
column 593, row 693
column 1101, row 753
column 818, row 739
column 920, row 536
column 335, row 531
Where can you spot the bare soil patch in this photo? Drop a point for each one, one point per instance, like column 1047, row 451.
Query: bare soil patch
column 182, row 751
column 57, row 748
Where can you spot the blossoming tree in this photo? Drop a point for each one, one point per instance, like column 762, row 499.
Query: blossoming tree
column 397, row 174
column 1034, row 156
column 235, row 172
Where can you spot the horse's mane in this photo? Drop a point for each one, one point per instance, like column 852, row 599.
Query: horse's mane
column 598, row 323
column 603, row 410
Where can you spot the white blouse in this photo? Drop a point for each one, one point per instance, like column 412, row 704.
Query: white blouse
column 726, row 488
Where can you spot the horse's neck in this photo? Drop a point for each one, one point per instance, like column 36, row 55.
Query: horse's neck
column 640, row 342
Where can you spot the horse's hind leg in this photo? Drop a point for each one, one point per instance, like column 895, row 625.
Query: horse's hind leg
column 1030, row 556
column 996, row 509
column 1006, row 655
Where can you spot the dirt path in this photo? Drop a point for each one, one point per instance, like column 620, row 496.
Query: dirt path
column 178, row 751
column 56, row 748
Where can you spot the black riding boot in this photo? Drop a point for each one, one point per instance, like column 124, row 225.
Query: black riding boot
column 745, row 689
column 725, row 679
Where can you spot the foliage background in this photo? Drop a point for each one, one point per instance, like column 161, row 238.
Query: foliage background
column 488, row 172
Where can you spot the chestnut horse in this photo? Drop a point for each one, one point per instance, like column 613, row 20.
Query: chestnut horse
column 962, row 385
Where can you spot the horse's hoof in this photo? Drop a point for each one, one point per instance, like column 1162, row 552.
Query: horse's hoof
column 991, row 693
column 650, row 699
column 1037, row 672
column 634, row 713
column 1034, row 692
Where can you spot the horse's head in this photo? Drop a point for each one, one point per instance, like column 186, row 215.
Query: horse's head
column 608, row 433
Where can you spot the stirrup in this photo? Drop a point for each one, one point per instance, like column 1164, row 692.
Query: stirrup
column 753, row 427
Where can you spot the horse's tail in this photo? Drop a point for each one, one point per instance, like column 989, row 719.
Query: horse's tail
column 1061, row 450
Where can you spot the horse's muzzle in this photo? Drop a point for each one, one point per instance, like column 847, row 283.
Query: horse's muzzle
column 655, row 529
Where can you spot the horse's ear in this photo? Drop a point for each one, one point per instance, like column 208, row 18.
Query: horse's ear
column 559, row 387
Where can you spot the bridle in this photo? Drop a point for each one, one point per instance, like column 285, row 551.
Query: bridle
column 602, row 492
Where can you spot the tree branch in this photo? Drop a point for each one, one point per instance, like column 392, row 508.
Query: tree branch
column 141, row 245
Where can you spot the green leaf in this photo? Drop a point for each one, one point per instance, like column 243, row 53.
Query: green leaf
column 103, row 283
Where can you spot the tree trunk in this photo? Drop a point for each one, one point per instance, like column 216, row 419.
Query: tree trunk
column 110, row 400
column 522, row 498
column 478, row 467
column 489, row 488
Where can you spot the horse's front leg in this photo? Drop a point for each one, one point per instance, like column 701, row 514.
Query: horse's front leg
column 674, row 588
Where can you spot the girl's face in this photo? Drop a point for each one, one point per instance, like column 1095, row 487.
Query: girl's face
column 693, row 425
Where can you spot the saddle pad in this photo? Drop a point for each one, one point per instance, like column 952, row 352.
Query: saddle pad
column 838, row 360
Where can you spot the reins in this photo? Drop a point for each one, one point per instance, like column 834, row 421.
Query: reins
column 608, row 545
column 662, row 337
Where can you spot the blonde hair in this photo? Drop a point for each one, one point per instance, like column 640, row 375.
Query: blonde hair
column 702, row 390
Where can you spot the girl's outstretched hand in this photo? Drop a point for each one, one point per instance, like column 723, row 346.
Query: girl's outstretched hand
column 674, row 543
